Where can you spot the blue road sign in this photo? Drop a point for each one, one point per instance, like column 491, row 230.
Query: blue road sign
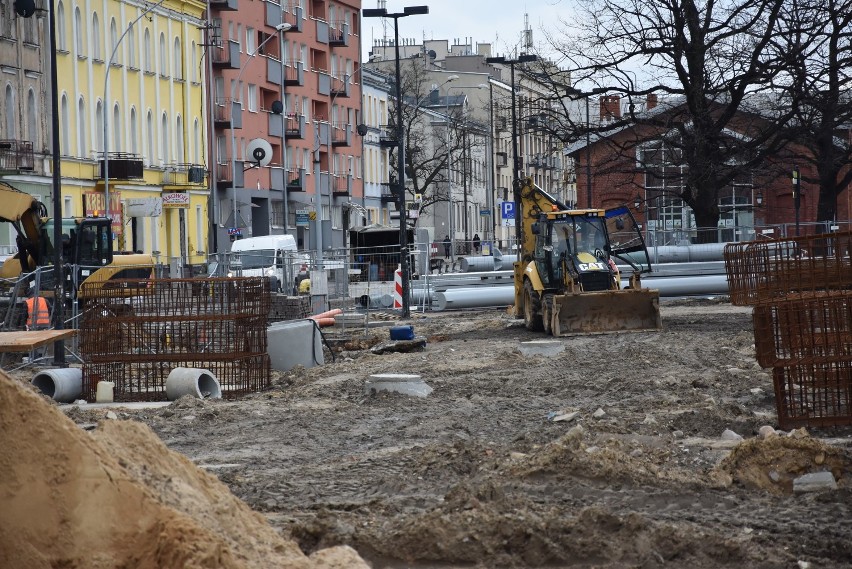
column 507, row 210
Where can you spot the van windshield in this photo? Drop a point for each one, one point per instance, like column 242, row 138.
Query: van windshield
column 257, row 259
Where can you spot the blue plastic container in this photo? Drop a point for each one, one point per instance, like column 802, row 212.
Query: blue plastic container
column 402, row 333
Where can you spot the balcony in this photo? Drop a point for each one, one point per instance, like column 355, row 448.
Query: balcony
column 223, row 5
column 295, row 180
column 226, row 56
column 183, row 175
column 275, row 124
column 387, row 136
column 500, row 124
column 225, row 175
column 322, row 31
column 339, row 86
column 502, row 160
column 535, row 161
column 280, row 13
column 227, row 114
column 16, row 156
column 294, row 74
column 338, row 34
column 341, row 134
column 123, row 166
column 341, row 185
column 295, row 126
column 389, row 193
column 323, row 83
column 274, row 71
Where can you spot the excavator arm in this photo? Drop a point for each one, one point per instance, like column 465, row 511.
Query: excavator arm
column 26, row 214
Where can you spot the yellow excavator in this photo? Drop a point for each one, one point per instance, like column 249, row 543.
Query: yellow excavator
column 566, row 277
column 86, row 243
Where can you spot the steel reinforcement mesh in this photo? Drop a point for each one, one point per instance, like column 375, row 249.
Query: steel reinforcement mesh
column 218, row 324
column 763, row 270
column 816, row 394
column 804, row 328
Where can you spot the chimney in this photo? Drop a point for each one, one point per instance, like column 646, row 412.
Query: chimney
column 651, row 101
column 610, row 108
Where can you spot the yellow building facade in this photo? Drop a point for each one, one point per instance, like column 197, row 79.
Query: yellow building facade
column 131, row 79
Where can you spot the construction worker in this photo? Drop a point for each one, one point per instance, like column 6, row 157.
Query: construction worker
column 38, row 313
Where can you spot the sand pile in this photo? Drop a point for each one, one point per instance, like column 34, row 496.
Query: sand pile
column 121, row 498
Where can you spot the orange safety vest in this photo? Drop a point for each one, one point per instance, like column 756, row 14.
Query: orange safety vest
column 40, row 317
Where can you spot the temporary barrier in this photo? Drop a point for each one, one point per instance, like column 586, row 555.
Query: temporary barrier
column 397, row 288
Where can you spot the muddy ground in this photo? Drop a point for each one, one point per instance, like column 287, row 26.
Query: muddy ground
column 478, row 474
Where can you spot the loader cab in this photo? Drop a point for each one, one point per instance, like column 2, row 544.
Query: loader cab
column 86, row 242
column 573, row 246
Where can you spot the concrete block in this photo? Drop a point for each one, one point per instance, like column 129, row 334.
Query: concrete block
column 407, row 384
column 541, row 348
column 814, row 482
column 293, row 343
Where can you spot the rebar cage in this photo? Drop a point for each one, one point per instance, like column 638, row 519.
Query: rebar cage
column 135, row 341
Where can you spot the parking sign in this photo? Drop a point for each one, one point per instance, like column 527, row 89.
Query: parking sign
column 507, row 210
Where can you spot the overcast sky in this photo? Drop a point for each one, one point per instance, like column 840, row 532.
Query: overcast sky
column 498, row 22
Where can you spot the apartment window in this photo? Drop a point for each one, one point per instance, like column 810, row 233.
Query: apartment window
column 68, row 208
column 61, row 37
column 96, row 37
column 32, row 129
column 199, row 226
column 99, row 125
column 65, row 144
column 113, row 42
column 196, row 143
column 194, row 73
column 148, row 59
column 134, row 148
column 81, row 33
column 116, row 126
column 82, row 145
column 149, row 135
column 252, row 98
column 131, row 48
column 179, row 150
column 251, row 40
column 178, row 63
column 239, row 36
column 164, row 138
column 164, row 60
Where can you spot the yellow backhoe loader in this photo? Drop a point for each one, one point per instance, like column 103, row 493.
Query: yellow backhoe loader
column 86, row 243
column 566, row 278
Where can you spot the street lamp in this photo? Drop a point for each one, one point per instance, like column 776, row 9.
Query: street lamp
column 106, row 105
column 280, row 28
column 449, row 171
column 571, row 91
column 516, row 160
column 403, row 222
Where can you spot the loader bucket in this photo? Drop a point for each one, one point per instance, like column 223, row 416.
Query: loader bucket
column 606, row 311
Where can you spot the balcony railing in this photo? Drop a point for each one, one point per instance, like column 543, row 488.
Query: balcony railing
column 339, row 86
column 227, row 114
column 341, row 134
column 184, row 175
column 123, row 166
column 295, row 126
column 341, row 185
column 16, row 155
column 387, row 136
column 338, row 34
column 226, row 56
column 294, row 73
column 296, row 180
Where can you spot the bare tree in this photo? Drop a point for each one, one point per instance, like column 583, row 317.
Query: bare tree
column 424, row 124
column 816, row 34
column 711, row 65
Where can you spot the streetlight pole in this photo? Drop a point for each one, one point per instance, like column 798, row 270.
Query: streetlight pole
column 516, row 159
column 106, row 105
column 578, row 93
column 280, row 28
column 449, row 171
column 403, row 222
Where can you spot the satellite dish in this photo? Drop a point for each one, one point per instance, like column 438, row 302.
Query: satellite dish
column 361, row 129
column 432, row 54
column 25, row 8
column 277, row 107
column 260, row 151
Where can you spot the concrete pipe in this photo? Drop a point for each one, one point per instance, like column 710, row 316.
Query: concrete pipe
column 473, row 264
column 197, row 382
column 505, row 263
column 475, row 297
column 375, row 301
column 64, row 385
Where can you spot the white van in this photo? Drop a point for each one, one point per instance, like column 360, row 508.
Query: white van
column 270, row 256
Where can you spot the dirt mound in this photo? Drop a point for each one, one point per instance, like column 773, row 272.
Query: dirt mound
column 121, row 499
column 771, row 464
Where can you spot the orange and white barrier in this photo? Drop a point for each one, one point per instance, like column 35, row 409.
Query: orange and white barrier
column 397, row 287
